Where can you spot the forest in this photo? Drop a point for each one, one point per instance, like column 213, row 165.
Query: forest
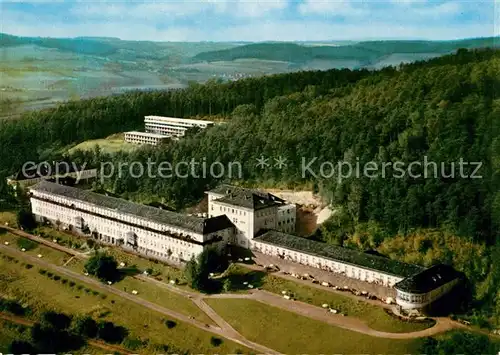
column 445, row 109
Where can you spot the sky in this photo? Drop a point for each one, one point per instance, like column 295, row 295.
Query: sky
column 255, row 20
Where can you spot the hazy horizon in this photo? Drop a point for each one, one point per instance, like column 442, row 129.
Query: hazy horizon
column 252, row 21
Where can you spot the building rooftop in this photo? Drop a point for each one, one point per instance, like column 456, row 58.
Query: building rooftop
column 248, row 198
column 176, row 119
column 46, row 170
column 192, row 223
column 428, row 279
column 147, row 134
column 336, row 253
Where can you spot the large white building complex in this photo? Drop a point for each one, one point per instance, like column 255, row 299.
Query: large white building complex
column 150, row 231
column 159, row 128
column 247, row 218
column 144, row 138
column 251, row 211
column 172, row 126
column 416, row 286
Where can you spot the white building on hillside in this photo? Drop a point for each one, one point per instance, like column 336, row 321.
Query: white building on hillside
column 251, row 211
column 172, row 126
column 416, row 287
column 150, row 231
column 144, row 138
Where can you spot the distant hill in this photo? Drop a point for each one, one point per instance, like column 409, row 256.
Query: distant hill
column 76, row 45
column 366, row 53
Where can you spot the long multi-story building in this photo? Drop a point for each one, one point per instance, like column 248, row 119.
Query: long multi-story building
column 251, row 211
column 416, row 286
column 248, row 218
column 144, row 138
column 150, row 231
column 172, row 126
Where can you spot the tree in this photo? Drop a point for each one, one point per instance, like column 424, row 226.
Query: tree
column 111, row 333
column 26, row 220
column 85, row 326
column 103, row 267
column 197, row 270
column 58, row 321
column 21, row 347
column 227, row 285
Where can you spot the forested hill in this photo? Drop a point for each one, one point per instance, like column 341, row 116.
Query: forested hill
column 364, row 52
column 445, row 109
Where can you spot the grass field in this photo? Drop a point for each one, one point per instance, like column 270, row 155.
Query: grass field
column 111, row 144
column 41, row 293
column 8, row 217
column 293, row 334
column 11, row 331
column 54, row 256
column 374, row 316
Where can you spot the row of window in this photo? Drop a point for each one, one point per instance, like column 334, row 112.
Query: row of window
column 330, row 265
column 412, row 298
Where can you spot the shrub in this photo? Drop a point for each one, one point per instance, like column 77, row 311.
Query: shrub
column 49, row 274
column 64, row 281
column 79, row 287
column 134, row 343
column 88, row 290
column 26, row 244
column 85, row 326
column 57, row 277
column 95, row 293
column 28, row 266
column 42, row 271
column 71, row 283
column 111, row 333
column 170, row 324
column 215, row 341
column 59, row 321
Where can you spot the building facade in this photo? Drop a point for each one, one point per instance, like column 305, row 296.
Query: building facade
column 29, row 176
column 423, row 288
column 251, row 211
column 248, row 218
column 145, row 138
column 348, row 262
column 150, row 231
column 172, row 126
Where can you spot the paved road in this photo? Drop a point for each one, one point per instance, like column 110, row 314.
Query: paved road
column 236, row 337
column 96, row 343
column 304, row 309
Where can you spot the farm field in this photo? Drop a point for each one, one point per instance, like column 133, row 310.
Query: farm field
column 290, row 333
column 75, row 297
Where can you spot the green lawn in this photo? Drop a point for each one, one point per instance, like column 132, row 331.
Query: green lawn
column 163, row 297
column 290, row 333
column 374, row 316
column 112, row 144
column 54, row 256
column 8, row 217
column 41, row 293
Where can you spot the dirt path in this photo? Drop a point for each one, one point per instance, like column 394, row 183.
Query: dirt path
column 237, row 338
column 96, row 343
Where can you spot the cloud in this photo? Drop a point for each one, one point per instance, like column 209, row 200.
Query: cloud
column 153, row 10
column 333, row 7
